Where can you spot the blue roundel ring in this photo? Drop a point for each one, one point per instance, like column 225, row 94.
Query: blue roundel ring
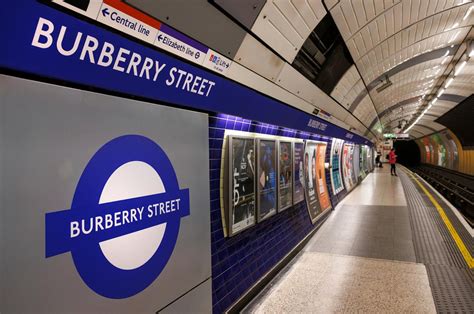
column 95, row 270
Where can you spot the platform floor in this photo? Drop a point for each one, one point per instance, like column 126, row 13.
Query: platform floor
column 362, row 259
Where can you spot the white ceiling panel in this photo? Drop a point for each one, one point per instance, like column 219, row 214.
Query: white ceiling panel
column 284, row 25
column 254, row 55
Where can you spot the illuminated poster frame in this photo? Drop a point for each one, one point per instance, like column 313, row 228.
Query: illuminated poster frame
column 316, row 194
column 247, row 159
column 298, row 172
column 285, row 175
column 356, row 164
column 335, row 166
column 321, row 186
column 266, row 180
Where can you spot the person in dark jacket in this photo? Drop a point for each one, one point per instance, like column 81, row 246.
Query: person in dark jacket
column 392, row 159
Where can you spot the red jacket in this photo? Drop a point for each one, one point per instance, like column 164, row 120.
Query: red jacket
column 392, row 158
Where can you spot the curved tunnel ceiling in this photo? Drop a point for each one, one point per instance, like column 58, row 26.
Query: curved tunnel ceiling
column 413, row 43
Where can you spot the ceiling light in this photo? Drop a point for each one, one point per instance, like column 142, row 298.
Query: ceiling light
column 468, row 12
column 434, row 100
column 444, row 60
column 440, row 92
column 459, row 69
column 448, row 82
column 455, row 25
column 447, row 53
column 454, row 37
column 470, row 48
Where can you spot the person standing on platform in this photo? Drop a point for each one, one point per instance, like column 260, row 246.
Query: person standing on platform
column 378, row 162
column 392, row 159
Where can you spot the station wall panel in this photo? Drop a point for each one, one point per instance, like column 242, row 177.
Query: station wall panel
column 240, row 261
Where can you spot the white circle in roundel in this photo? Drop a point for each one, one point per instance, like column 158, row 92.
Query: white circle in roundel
column 132, row 179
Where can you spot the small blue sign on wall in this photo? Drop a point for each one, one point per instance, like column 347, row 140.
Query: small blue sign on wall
column 124, row 219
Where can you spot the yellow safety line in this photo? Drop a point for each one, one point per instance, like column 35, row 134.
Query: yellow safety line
column 461, row 246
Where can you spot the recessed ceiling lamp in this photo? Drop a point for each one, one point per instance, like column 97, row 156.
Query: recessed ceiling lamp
column 459, row 69
column 470, row 48
column 468, row 12
column 454, row 37
column 440, row 92
column 448, row 82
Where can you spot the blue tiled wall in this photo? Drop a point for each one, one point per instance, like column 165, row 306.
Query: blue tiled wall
column 240, row 261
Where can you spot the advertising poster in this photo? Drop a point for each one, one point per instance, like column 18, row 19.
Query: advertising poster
column 426, row 143
column 434, row 150
column 347, row 166
column 298, row 176
column 242, row 183
column 363, row 161
column 355, row 163
column 323, row 194
column 285, row 187
column 441, row 161
column 336, row 177
column 453, row 157
column 312, row 202
column 370, row 160
column 267, row 179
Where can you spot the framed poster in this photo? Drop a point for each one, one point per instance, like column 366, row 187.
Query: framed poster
column 298, row 172
column 347, row 170
column 336, row 177
column 312, row 202
column 363, row 161
column 355, row 164
column 285, row 175
column 242, row 183
column 321, row 186
column 266, row 179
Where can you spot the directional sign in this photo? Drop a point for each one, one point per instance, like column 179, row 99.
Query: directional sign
column 125, row 18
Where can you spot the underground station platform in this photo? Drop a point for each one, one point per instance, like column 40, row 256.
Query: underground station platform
column 394, row 245
column 236, row 156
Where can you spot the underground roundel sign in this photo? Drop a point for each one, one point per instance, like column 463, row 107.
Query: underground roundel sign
column 124, row 219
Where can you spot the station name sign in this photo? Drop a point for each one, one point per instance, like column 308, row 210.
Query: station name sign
column 52, row 44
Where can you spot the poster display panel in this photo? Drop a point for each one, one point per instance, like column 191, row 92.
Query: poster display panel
column 242, row 191
column 312, row 202
column 266, row 179
column 363, row 162
column 427, row 145
column 321, row 186
column 317, row 197
column 370, row 160
column 336, row 177
column 347, row 169
column 434, row 150
column 298, row 176
column 356, row 164
column 285, row 166
column 453, row 155
column 441, row 160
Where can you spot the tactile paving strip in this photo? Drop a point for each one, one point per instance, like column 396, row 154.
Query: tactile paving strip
column 452, row 289
column 450, row 278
